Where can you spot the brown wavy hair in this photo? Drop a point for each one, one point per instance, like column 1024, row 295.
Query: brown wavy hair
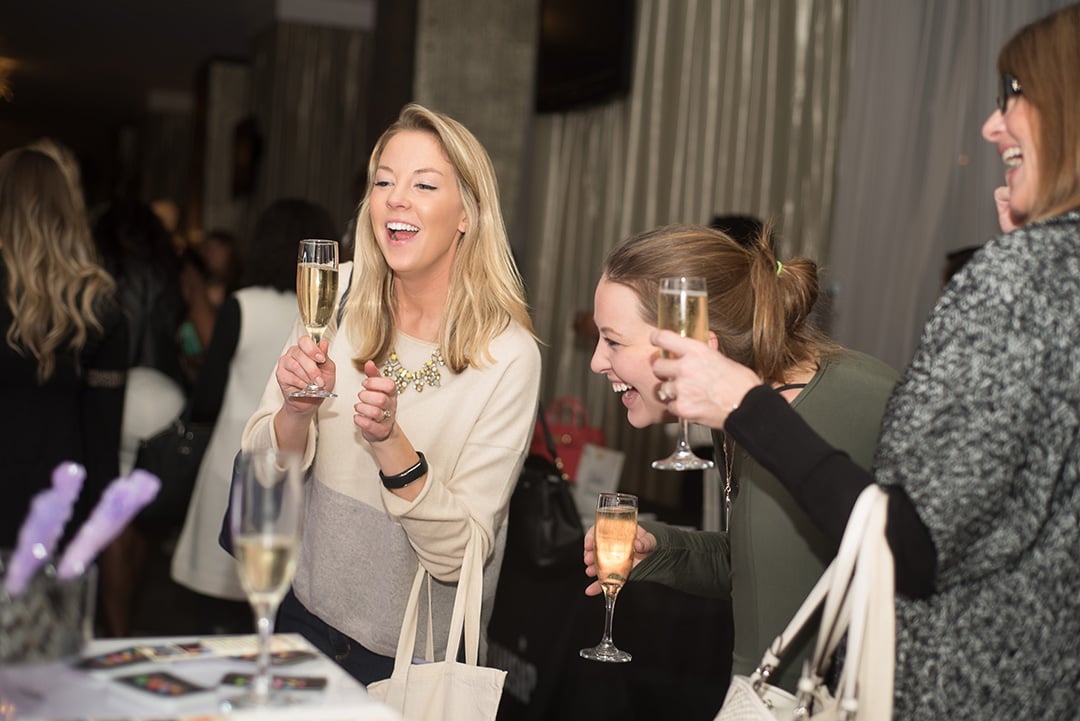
column 55, row 285
column 761, row 317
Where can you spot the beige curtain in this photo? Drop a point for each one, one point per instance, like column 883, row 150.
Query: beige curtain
column 734, row 109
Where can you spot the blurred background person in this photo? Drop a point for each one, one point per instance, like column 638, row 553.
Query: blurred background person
column 209, row 271
column 252, row 327
column 139, row 253
column 64, row 355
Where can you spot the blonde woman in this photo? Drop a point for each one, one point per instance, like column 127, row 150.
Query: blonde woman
column 437, row 374
column 63, row 359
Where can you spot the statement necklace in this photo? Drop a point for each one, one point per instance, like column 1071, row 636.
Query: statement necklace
column 428, row 375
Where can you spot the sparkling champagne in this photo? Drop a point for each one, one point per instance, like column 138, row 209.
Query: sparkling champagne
column 266, row 565
column 316, row 292
column 684, row 311
column 615, row 531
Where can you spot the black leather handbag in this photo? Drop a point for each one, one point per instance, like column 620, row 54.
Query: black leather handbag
column 544, row 527
column 173, row 455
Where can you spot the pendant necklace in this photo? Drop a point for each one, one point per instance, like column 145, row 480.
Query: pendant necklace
column 428, row 375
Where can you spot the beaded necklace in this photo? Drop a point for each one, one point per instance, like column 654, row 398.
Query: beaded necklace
column 428, row 375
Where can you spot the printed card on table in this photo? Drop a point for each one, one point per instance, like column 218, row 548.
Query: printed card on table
column 598, row 472
column 161, row 684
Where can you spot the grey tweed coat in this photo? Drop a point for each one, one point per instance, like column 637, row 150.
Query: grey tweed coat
column 983, row 432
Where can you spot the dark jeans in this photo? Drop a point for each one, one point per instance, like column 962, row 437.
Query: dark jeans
column 362, row 664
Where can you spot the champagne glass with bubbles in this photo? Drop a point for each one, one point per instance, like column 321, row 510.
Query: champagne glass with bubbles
column 265, row 520
column 316, row 293
column 616, row 527
column 683, row 308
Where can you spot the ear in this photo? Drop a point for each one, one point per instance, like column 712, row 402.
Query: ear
column 463, row 224
column 713, row 341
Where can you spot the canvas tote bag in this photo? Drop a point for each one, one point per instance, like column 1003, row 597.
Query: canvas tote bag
column 856, row 592
column 446, row 690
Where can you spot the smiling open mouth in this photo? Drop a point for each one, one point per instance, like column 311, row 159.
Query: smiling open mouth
column 1012, row 157
column 401, row 231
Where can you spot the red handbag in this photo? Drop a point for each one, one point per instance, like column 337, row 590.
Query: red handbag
column 570, row 430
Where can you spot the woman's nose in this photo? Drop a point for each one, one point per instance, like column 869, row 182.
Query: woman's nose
column 598, row 363
column 397, row 197
column 994, row 126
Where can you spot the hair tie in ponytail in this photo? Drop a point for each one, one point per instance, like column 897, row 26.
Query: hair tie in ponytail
column 779, row 267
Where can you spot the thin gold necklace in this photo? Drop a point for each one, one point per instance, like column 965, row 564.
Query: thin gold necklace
column 731, row 487
column 428, row 375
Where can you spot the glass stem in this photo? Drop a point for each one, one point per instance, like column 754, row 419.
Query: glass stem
column 609, row 613
column 264, row 623
column 683, row 445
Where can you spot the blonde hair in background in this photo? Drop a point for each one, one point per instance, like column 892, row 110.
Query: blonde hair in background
column 1045, row 57
column 759, row 310
column 55, row 285
column 486, row 291
column 69, row 164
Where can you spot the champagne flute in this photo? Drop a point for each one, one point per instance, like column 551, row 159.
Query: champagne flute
column 683, row 308
column 616, row 527
column 265, row 521
column 316, row 293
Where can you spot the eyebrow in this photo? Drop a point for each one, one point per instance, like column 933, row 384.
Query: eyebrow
column 418, row 171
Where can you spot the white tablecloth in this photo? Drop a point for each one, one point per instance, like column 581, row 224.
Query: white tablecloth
column 60, row 692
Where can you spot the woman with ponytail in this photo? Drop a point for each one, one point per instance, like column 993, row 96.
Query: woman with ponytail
column 759, row 314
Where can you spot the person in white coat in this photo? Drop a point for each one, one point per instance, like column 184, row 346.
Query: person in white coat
column 253, row 324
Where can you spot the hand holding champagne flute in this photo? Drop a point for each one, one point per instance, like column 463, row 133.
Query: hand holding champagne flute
column 684, row 308
column 265, row 521
column 616, row 527
column 316, row 293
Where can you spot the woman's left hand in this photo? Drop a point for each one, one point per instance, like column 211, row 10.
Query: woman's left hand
column 699, row 384
column 376, row 405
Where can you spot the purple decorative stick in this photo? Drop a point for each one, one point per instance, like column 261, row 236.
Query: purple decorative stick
column 49, row 512
column 68, row 478
column 118, row 505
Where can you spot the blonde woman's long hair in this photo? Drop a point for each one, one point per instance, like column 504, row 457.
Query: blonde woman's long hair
column 486, row 291
column 55, row 286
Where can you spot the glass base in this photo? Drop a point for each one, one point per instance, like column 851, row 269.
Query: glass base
column 313, row 391
column 682, row 461
column 606, row 653
column 251, row 700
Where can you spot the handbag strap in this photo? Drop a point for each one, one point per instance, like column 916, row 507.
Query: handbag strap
column 830, row 590
column 549, row 441
column 866, row 683
column 464, row 619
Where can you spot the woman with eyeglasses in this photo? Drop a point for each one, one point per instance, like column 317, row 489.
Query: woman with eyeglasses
column 980, row 445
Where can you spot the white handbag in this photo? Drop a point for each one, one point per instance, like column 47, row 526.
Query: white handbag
column 856, row 592
column 445, row 690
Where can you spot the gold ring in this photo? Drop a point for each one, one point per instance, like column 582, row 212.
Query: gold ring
column 386, row 414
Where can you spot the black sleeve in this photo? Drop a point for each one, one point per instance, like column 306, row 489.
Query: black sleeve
column 209, row 391
column 825, row 482
column 102, row 409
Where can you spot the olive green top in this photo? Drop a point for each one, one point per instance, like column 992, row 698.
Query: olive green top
column 776, row 554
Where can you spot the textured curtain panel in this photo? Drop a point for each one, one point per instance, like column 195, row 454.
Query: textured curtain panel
column 915, row 178
column 308, row 87
column 735, row 108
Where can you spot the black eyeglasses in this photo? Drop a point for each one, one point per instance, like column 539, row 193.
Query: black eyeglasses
column 1008, row 88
